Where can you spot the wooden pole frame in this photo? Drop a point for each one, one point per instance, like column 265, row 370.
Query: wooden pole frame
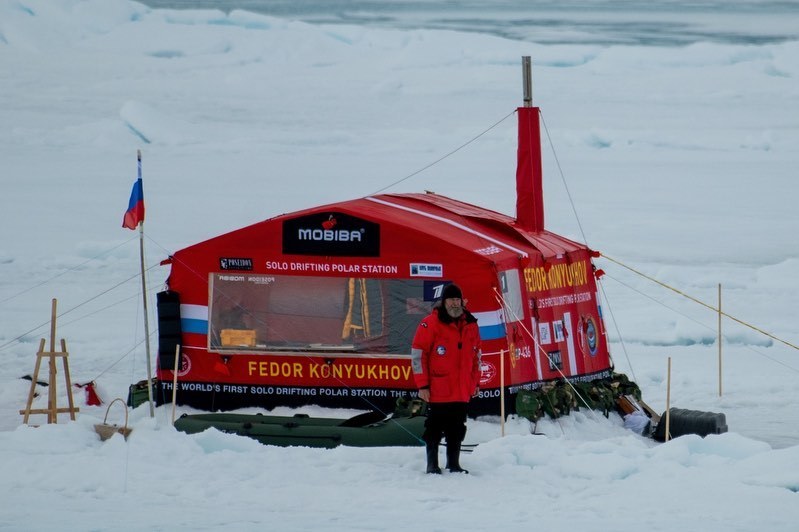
column 52, row 409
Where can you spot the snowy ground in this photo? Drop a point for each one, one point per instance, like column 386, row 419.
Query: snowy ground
column 679, row 161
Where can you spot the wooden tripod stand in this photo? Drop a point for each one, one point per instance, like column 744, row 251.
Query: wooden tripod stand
column 52, row 409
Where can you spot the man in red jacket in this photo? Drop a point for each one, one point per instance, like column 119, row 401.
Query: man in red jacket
column 445, row 356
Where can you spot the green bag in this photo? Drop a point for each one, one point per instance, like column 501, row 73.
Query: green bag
column 528, row 405
column 137, row 393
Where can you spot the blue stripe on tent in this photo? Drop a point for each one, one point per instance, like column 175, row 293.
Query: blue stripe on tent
column 194, row 326
column 492, row 332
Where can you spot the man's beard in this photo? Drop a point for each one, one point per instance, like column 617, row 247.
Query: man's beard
column 455, row 312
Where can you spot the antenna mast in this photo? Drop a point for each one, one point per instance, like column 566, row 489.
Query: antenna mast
column 527, row 80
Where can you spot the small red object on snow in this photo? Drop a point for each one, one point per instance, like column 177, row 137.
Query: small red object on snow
column 92, row 399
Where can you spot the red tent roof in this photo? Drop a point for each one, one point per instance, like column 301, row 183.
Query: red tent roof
column 484, row 220
column 474, row 229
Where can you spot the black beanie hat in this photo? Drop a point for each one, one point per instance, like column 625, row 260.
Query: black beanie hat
column 451, row 290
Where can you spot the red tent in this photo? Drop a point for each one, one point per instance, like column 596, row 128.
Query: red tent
column 320, row 306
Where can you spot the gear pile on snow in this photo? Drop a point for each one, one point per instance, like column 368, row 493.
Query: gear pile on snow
column 559, row 398
column 619, row 393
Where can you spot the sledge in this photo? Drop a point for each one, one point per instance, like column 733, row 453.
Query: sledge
column 681, row 421
column 403, row 428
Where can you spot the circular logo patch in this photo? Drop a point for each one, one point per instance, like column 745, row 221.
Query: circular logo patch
column 185, row 365
column 487, row 372
column 590, row 335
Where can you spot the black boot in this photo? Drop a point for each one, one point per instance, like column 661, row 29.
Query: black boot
column 432, row 459
column 453, row 458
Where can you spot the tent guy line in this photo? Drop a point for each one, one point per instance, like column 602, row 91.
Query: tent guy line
column 695, row 300
column 430, row 165
column 64, row 272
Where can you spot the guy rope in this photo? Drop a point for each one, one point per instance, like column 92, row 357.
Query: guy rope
column 711, row 307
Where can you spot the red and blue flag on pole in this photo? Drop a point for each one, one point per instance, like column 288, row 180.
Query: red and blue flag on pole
column 135, row 213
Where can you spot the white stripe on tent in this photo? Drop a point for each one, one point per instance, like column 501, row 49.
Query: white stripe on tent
column 492, row 317
column 538, row 349
column 491, row 324
column 453, row 224
column 194, row 312
column 567, row 322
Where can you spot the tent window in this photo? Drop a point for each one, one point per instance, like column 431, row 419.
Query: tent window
column 324, row 314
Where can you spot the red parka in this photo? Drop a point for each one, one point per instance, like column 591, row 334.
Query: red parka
column 445, row 356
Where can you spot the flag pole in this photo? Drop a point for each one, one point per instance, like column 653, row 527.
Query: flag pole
column 144, row 298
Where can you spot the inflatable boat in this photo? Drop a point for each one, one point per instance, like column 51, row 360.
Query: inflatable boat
column 371, row 429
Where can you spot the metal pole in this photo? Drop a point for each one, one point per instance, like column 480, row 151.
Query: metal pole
column 144, row 298
column 146, row 322
column 527, row 80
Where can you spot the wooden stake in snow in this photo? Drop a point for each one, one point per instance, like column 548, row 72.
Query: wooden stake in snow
column 720, row 314
column 502, row 390
column 175, row 382
column 668, row 400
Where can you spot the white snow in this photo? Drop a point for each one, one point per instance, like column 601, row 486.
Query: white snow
column 680, row 162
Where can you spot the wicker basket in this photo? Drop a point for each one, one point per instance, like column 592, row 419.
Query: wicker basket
column 105, row 431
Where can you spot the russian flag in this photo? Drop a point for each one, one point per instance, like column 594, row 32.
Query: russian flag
column 194, row 319
column 491, row 324
column 135, row 212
